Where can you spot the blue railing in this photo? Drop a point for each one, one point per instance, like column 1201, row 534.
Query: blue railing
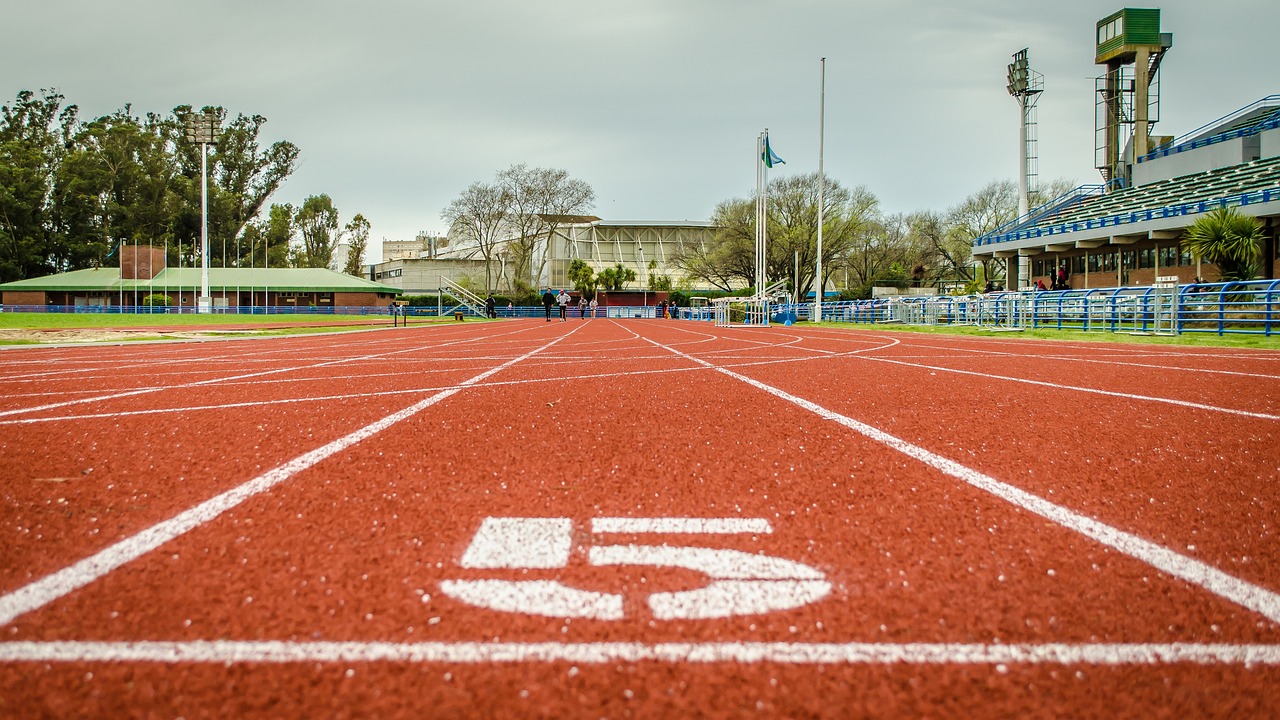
column 1062, row 202
column 1181, row 144
column 1135, row 216
column 1234, row 308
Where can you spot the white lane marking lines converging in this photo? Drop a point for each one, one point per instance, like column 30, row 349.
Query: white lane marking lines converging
column 51, row 587
column 1190, row 570
column 213, row 381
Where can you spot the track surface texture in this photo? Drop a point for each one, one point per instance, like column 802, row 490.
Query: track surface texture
column 639, row 519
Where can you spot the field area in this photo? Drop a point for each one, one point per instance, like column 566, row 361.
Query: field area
column 639, row 518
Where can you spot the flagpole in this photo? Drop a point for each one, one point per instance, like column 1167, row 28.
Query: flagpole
column 759, row 221
column 762, row 266
column 822, row 116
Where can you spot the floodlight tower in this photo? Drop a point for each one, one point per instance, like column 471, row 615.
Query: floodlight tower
column 204, row 128
column 1025, row 86
column 1131, row 46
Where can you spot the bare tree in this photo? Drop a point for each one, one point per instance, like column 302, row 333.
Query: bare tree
column 540, row 199
column 480, row 215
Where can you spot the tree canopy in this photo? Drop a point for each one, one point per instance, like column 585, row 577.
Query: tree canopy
column 72, row 191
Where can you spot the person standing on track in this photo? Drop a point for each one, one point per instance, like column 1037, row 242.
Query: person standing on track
column 563, row 300
column 547, row 301
column 490, row 308
column 594, row 305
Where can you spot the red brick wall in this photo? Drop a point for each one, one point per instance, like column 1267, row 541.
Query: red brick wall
column 141, row 263
column 24, row 297
column 360, row 299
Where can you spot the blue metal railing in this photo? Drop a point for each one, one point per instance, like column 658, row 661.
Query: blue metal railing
column 1182, row 144
column 1233, row 308
column 1135, row 216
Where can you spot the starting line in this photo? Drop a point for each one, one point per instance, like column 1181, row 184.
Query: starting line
column 279, row 652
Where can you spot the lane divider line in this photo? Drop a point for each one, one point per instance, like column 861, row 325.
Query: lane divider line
column 212, row 381
column 51, row 587
column 1077, row 388
column 797, row 653
column 1243, row 593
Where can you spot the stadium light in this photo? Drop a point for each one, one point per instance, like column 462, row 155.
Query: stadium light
column 203, row 128
column 1017, row 74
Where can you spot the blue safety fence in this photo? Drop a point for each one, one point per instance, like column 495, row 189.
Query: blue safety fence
column 1234, row 308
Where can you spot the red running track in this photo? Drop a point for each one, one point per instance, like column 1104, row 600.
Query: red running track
column 639, row 519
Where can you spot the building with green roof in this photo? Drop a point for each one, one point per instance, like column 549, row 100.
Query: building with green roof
column 135, row 279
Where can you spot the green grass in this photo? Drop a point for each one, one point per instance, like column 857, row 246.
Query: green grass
column 68, row 321
column 1186, row 339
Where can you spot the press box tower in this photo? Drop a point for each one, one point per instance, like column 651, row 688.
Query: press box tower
column 1129, row 43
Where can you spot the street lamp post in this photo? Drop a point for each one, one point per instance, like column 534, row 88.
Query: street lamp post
column 203, row 128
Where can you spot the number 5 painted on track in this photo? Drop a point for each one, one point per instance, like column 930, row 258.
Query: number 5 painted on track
column 741, row 583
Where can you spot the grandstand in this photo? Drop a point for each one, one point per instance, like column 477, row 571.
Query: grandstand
column 1127, row 231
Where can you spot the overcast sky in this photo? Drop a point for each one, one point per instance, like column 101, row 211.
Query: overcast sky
column 398, row 106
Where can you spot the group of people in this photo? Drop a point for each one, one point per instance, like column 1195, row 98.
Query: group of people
column 561, row 299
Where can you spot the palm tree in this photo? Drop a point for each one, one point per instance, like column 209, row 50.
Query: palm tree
column 1227, row 239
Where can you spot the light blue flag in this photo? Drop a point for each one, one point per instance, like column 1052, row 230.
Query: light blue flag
column 768, row 157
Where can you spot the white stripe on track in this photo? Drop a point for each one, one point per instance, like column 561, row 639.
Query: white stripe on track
column 1190, row 570
column 51, row 587
column 1078, row 388
column 269, row 651
column 213, row 381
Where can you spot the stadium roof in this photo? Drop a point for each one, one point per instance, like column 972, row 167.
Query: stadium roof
column 282, row 279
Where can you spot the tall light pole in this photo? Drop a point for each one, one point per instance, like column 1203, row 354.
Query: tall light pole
column 1025, row 86
column 822, row 119
column 204, row 128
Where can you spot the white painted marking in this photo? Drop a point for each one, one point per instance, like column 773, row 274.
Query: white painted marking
column 728, row 598
column 741, row 583
column 1190, row 570
column 535, row 597
column 1078, row 388
column 213, row 381
column 280, row 652
column 505, row 542
column 719, row 563
column 690, row 526
column 51, row 587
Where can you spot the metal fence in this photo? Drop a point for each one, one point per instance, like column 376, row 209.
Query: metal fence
column 1250, row 308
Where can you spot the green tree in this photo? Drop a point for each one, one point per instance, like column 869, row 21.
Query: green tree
column 792, row 229
column 34, row 134
column 1227, row 239
column 242, row 178
column 317, row 225
column 583, row 278
column 615, row 278
column 357, row 233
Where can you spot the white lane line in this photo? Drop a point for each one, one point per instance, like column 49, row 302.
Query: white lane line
column 1072, row 358
column 281, row 652
column 347, row 396
column 1190, row 570
column 51, row 587
column 1078, row 388
column 688, row 526
column 199, row 383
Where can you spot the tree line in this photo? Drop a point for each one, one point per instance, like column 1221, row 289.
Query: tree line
column 73, row 191
column 863, row 246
